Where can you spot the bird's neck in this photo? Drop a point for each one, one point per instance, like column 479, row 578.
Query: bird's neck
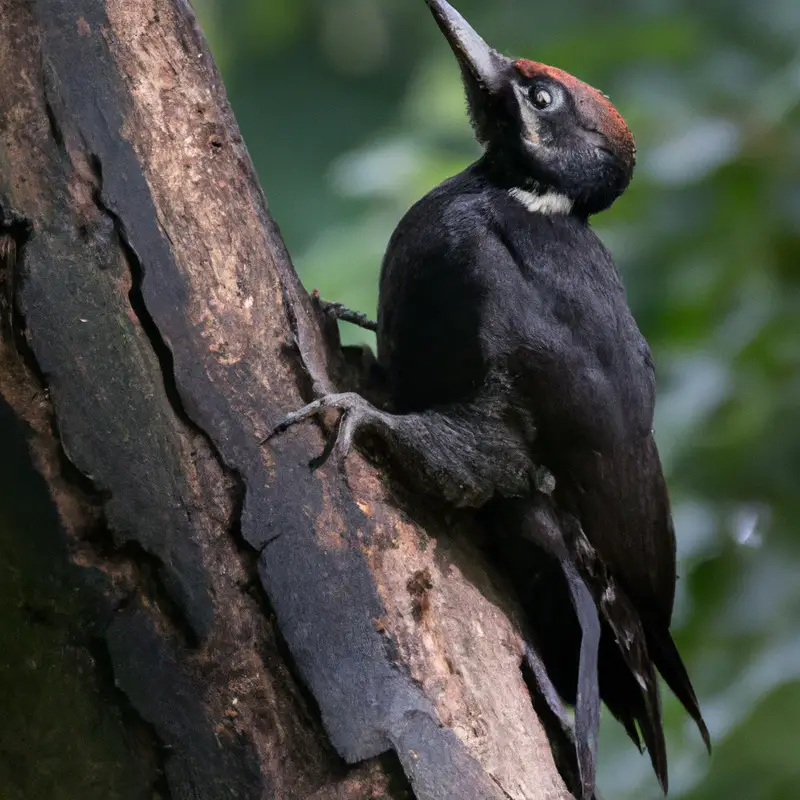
column 536, row 196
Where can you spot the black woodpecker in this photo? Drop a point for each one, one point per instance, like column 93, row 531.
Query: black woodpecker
column 521, row 385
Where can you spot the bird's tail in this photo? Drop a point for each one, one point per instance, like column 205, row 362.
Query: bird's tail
column 668, row 660
column 628, row 679
column 632, row 693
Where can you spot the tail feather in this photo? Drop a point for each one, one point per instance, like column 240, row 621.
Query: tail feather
column 632, row 693
column 633, row 645
column 669, row 663
column 645, row 708
column 629, row 723
column 653, row 733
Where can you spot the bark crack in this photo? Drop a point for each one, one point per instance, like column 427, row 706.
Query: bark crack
column 248, row 558
column 132, row 572
column 143, row 734
column 15, row 232
column 136, row 299
column 49, row 92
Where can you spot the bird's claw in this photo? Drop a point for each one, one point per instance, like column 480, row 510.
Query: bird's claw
column 355, row 409
column 339, row 311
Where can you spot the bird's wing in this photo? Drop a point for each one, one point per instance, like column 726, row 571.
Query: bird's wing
column 621, row 500
column 581, row 371
column 578, row 365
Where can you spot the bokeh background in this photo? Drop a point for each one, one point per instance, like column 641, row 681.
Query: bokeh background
column 352, row 109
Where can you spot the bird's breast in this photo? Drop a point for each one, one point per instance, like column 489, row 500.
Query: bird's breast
column 574, row 349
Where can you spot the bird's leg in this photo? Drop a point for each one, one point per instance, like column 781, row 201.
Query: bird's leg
column 356, row 413
column 456, row 453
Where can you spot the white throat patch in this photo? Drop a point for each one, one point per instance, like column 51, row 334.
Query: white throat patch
column 549, row 202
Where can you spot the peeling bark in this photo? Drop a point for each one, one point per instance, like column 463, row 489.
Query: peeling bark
column 254, row 629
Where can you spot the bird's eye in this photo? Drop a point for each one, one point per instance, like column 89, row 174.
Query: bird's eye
column 541, row 98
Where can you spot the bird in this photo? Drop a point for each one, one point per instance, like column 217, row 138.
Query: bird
column 520, row 385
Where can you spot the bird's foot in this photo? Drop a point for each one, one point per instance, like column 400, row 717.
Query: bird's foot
column 340, row 312
column 356, row 414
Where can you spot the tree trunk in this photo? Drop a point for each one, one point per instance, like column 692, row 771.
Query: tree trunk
column 204, row 617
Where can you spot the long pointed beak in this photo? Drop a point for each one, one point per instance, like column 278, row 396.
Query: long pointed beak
column 482, row 63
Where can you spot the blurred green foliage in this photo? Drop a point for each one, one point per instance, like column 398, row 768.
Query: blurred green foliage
column 352, row 109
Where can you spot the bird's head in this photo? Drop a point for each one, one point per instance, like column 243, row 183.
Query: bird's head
column 551, row 134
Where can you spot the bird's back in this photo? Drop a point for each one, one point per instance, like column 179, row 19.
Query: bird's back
column 429, row 312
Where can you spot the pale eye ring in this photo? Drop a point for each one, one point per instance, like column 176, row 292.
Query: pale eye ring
column 541, row 97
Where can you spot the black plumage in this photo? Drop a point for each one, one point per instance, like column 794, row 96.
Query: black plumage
column 521, row 385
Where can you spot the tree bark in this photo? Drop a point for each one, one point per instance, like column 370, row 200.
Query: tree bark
column 217, row 620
